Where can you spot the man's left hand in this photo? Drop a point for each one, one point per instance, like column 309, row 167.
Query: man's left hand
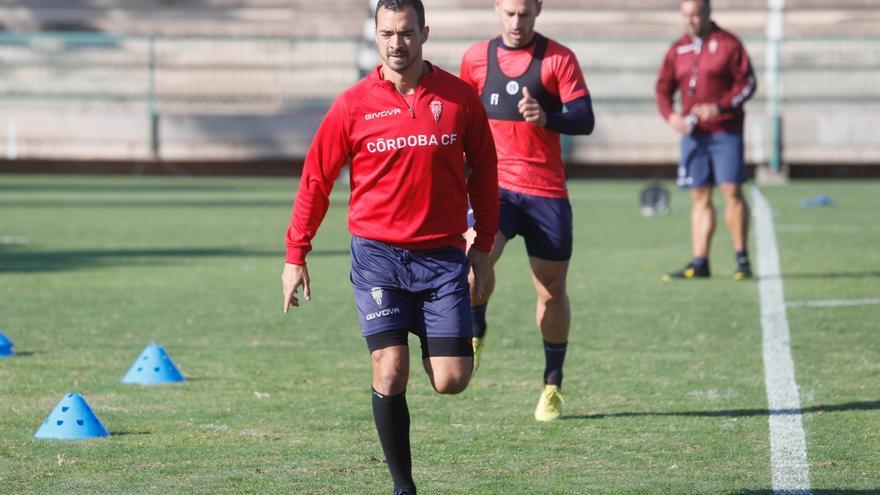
column 480, row 265
column 531, row 110
column 705, row 111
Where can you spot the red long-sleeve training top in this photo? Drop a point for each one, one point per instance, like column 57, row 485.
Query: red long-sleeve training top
column 407, row 158
column 714, row 70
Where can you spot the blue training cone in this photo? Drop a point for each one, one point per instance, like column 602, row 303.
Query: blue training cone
column 72, row 419
column 152, row 367
column 5, row 346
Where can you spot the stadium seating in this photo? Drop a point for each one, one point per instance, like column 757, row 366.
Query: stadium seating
column 187, row 17
column 240, row 78
column 621, row 44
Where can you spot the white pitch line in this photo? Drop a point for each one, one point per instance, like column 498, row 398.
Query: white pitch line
column 8, row 240
column 832, row 303
column 788, row 446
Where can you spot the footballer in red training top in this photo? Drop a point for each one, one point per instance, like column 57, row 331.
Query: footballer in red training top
column 533, row 90
column 406, row 130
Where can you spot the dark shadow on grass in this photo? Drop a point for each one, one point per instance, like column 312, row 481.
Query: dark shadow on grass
column 24, row 353
column 57, row 261
column 738, row 413
column 129, row 187
column 814, row 491
column 127, row 433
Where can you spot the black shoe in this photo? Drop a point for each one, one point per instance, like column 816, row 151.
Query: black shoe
column 691, row 270
column 743, row 271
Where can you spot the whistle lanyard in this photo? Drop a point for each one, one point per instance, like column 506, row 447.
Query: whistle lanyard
column 695, row 67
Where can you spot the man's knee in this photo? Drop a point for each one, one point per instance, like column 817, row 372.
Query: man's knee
column 550, row 280
column 390, row 371
column 701, row 197
column 449, row 374
column 451, row 383
column 553, row 290
column 732, row 194
column 389, row 382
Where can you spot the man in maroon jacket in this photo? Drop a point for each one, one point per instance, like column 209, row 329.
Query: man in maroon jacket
column 711, row 70
column 406, row 129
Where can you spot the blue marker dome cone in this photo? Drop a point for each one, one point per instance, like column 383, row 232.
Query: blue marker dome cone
column 72, row 419
column 5, row 346
column 152, row 367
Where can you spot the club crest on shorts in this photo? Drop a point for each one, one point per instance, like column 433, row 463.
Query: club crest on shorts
column 512, row 88
column 376, row 292
column 436, row 109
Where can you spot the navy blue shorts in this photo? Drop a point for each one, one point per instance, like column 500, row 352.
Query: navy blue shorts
column 711, row 159
column 420, row 291
column 544, row 223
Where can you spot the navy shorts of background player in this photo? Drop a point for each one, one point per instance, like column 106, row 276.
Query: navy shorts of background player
column 544, row 223
column 709, row 159
column 401, row 291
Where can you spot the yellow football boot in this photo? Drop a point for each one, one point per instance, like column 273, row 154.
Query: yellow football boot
column 478, row 349
column 550, row 404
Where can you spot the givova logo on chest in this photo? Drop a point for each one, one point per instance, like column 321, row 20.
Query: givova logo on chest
column 383, row 113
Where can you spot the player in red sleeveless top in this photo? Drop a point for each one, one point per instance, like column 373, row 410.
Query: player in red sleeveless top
column 533, row 91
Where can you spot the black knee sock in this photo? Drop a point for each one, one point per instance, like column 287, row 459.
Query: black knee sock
column 742, row 257
column 392, row 423
column 554, row 356
column 699, row 261
column 480, row 325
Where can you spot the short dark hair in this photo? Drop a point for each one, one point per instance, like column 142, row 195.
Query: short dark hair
column 706, row 3
column 399, row 5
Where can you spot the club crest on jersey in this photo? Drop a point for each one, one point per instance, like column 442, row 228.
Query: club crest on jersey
column 512, row 88
column 436, row 109
column 713, row 46
column 376, row 292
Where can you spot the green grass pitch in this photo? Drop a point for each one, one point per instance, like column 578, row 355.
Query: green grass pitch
column 664, row 382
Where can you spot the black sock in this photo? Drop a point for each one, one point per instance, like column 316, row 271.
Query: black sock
column 480, row 325
column 392, row 423
column 699, row 261
column 554, row 356
column 742, row 257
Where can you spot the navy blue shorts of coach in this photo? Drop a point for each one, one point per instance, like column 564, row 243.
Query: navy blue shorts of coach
column 711, row 159
column 400, row 291
column 544, row 223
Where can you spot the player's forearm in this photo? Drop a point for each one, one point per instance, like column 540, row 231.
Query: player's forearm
column 485, row 232
column 326, row 156
column 577, row 120
column 309, row 209
column 483, row 194
column 310, row 206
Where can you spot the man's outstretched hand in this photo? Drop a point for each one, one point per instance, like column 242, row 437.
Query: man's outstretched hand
column 292, row 278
